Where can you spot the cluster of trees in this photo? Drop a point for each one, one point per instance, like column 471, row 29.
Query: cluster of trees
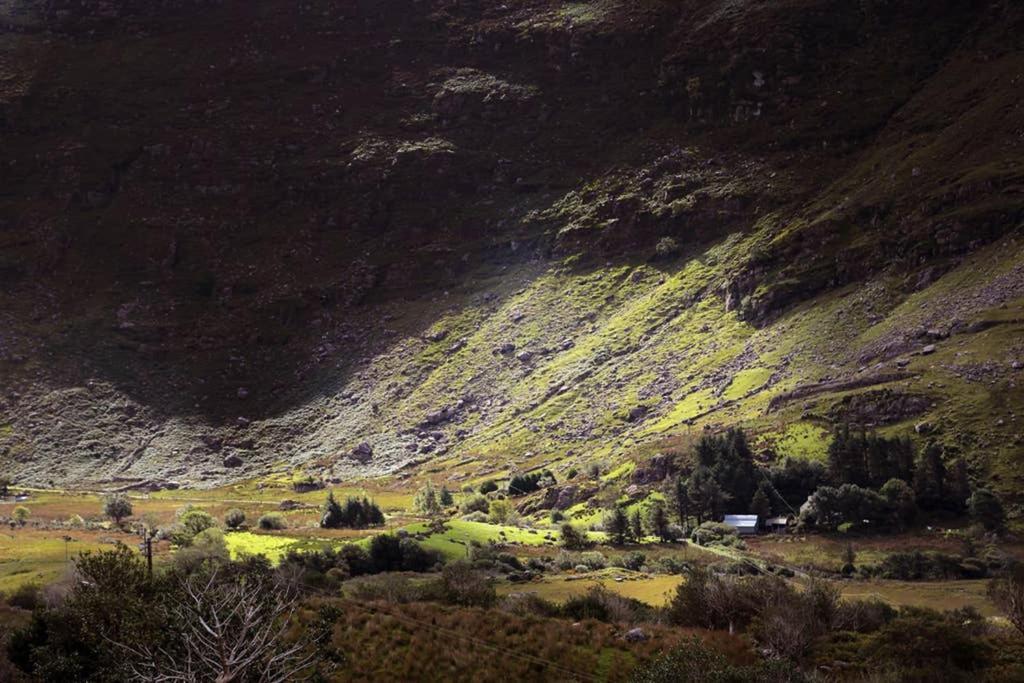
column 432, row 502
column 624, row 527
column 724, row 474
column 354, row 513
column 523, row 484
column 869, row 480
column 876, row 481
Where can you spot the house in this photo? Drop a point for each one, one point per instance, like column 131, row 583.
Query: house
column 745, row 525
column 778, row 525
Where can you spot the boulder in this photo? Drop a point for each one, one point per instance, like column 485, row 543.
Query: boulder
column 363, row 452
column 635, row 635
column 232, row 461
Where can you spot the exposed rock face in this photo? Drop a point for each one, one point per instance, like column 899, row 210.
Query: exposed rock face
column 327, row 239
column 655, row 470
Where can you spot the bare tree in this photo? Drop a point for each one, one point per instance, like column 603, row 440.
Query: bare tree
column 1007, row 593
column 229, row 629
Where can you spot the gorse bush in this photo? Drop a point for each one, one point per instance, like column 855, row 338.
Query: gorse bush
column 234, row 518
column 272, row 521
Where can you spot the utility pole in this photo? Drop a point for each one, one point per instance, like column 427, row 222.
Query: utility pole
column 146, row 546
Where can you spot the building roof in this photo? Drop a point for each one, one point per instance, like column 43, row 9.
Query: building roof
column 741, row 521
column 777, row 521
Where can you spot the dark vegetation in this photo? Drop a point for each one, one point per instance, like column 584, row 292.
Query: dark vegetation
column 354, row 513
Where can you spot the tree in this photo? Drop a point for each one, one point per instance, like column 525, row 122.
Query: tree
column 930, row 478
column 573, row 538
column 681, row 500
column 901, row 499
column 228, row 628
column 117, row 507
column 658, row 522
column 706, row 496
column 20, row 514
column 1007, row 593
column 426, row 501
column 500, row 512
column 831, row 507
column 987, row 509
column 445, row 497
column 332, row 515
column 636, row 526
column 616, row 524
column 846, row 461
column 5, row 486
column 761, row 503
column 234, row 518
column 960, row 484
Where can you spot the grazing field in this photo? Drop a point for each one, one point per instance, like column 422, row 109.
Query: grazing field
column 939, row 595
column 458, row 535
column 654, row 590
column 41, row 556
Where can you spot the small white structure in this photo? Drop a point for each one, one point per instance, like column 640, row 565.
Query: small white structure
column 745, row 525
column 777, row 525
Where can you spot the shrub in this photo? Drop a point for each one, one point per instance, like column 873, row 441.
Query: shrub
column 20, row 514
column 501, row 512
column 716, row 533
column 272, row 521
column 26, row 596
column 593, row 560
column 667, row 247
column 477, row 503
column 488, row 487
column 234, row 518
column 465, row 586
column 191, row 521
column 475, row 516
column 694, row 662
column 633, row 560
column 573, row 538
column 76, row 522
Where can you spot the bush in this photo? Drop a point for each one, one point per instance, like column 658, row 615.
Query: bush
column 667, row 247
column 272, row 521
column 488, row 487
column 191, row 521
column 593, row 560
column 20, row 514
column 716, row 533
column 573, row 538
column 694, row 662
column 234, row 518
column 633, row 560
column 477, row 503
column 466, row 587
column 475, row 516
column 76, row 522
column 27, row 596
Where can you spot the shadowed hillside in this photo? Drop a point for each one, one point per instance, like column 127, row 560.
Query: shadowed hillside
column 240, row 237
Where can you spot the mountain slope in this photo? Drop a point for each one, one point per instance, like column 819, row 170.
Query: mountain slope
column 238, row 238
